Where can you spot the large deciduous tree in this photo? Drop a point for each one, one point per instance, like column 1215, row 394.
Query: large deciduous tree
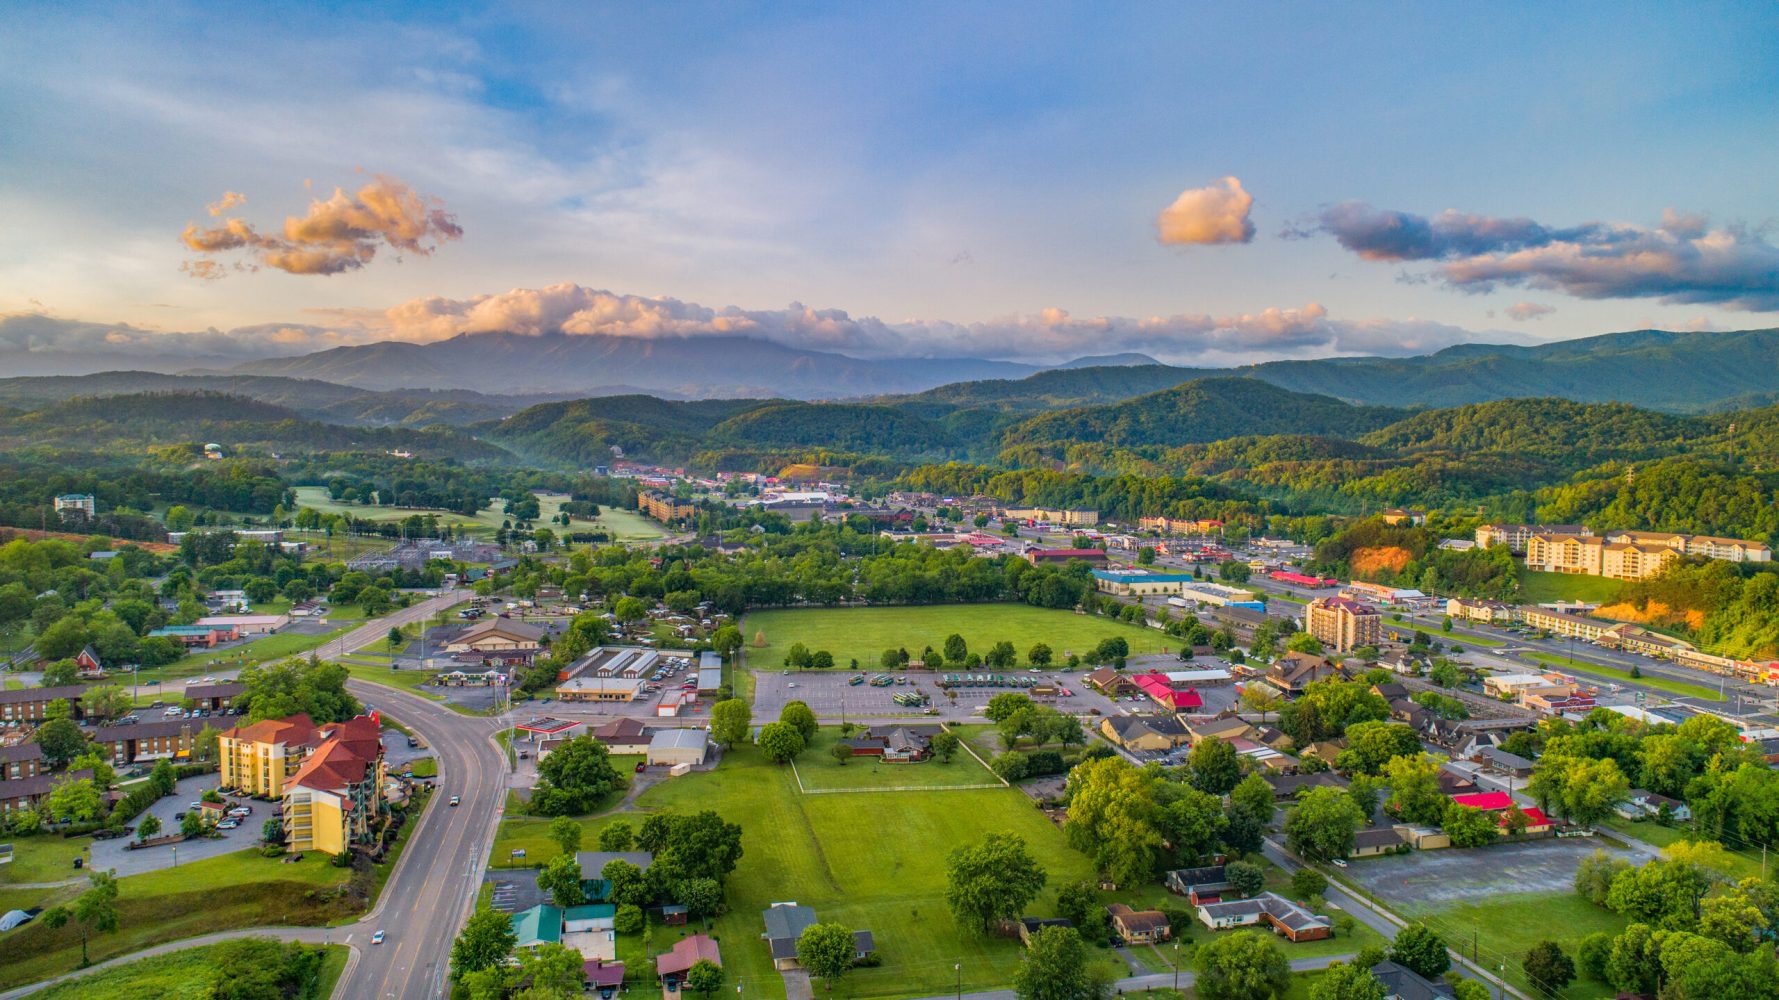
column 991, row 880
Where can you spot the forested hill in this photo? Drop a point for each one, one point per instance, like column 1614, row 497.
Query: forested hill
column 1586, row 432
column 1654, row 369
column 187, row 421
column 309, row 398
column 1203, row 411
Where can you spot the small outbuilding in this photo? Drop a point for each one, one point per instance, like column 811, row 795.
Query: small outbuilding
column 679, row 746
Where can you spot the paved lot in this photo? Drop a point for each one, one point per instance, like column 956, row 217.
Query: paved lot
column 1430, row 879
column 112, row 853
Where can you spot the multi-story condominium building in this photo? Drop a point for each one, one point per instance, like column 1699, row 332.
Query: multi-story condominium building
column 1633, row 555
column 1517, row 536
column 1564, row 623
column 76, row 502
column 1074, row 518
column 31, row 704
column 1181, row 525
column 260, row 758
column 335, row 799
column 1708, row 546
column 1343, row 624
column 664, row 507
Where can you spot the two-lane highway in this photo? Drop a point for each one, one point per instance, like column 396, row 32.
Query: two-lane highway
column 434, row 885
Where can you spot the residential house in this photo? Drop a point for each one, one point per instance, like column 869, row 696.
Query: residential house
column 786, row 922
column 1289, row 786
column 1480, row 610
column 1138, row 926
column 894, row 744
column 1500, row 761
column 593, row 864
column 1324, row 750
column 1226, row 729
column 1200, row 885
column 671, row 966
column 1641, row 803
column 87, row 666
column 603, row 977
column 1029, row 927
column 1151, row 733
column 1287, row 919
column 1403, row 983
column 1294, row 671
column 1375, row 841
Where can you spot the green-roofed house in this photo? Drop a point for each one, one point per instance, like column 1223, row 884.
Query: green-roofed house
column 542, row 924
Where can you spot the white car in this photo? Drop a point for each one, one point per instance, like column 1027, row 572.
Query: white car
column 377, row 938
column 1338, row 862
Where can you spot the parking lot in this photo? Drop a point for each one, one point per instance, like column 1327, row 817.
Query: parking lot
column 114, row 853
column 1436, row 879
column 831, row 695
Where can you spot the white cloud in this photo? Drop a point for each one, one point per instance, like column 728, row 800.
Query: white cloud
column 1214, row 214
column 340, row 234
column 1523, row 311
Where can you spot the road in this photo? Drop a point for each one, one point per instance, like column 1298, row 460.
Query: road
column 434, row 884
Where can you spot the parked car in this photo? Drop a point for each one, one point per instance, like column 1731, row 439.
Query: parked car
column 641, row 766
column 228, row 824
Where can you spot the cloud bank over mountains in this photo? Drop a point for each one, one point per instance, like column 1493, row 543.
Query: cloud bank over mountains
column 569, row 309
column 1682, row 260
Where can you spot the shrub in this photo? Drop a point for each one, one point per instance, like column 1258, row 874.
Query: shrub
column 628, row 919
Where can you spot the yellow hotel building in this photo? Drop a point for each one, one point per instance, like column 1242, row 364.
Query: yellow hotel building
column 328, row 778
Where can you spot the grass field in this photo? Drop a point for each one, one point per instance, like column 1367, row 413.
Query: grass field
column 43, row 858
column 819, row 770
column 624, row 525
column 1542, row 588
column 179, row 975
column 864, row 633
column 1507, row 926
column 871, row 860
column 235, row 890
column 1681, row 688
column 264, row 650
column 1741, row 863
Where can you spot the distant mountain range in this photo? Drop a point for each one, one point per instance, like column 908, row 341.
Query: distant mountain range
column 601, row 365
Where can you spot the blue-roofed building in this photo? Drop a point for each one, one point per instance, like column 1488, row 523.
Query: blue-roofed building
column 1139, row 583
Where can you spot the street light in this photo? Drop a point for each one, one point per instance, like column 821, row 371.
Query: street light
column 1176, row 965
column 958, row 967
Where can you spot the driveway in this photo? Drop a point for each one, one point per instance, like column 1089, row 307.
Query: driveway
column 114, row 853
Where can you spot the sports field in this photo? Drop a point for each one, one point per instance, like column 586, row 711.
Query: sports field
column 624, row 525
column 864, row 633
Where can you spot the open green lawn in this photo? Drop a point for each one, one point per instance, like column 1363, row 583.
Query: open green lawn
column 532, row 833
column 1681, row 688
column 1740, row 864
column 864, row 633
column 1545, row 588
column 869, row 860
column 1507, row 926
column 819, row 770
column 43, row 858
column 624, row 525
column 179, row 975
column 241, row 889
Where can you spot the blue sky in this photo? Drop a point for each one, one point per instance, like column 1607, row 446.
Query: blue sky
column 967, row 174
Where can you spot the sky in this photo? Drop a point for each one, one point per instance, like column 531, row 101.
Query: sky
column 1204, row 184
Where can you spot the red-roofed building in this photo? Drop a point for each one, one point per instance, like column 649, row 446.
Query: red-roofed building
column 1156, row 686
column 1501, row 802
column 686, row 953
column 334, row 800
column 1301, row 580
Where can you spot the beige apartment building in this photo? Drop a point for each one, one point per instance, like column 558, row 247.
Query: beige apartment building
column 1633, row 555
column 1077, row 518
column 1517, row 536
column 1343, row 624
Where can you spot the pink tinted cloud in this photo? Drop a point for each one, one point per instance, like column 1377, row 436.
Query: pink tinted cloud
column 1208, row 215
column 342, row 233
